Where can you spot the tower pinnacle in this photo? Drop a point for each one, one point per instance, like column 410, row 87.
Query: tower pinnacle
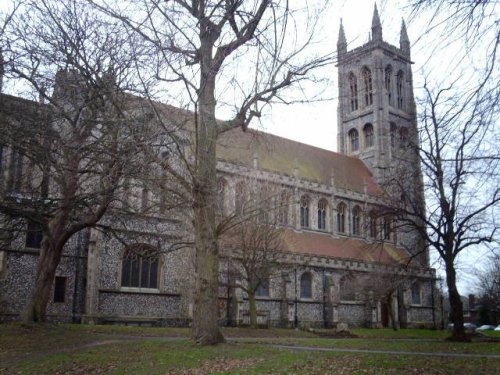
column 404, row 41
column 376, row 25
column 341, row 42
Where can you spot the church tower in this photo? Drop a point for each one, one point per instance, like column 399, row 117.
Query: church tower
column 377, row 119
column 376, row 111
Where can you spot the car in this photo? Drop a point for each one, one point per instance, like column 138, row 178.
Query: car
column 498, row 328
column 486, row 327
column 469, row 327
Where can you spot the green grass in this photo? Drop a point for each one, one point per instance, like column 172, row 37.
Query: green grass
column 79, row 349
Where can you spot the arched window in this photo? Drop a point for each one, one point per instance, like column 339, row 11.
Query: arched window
column 356, row 220
column 403, row 138
column 353, row 91
column 240, row 197
column 388, row 83
column 373, row 225
column 387, row 228
column 341, row 208
column 322, row 206
column 393, row 131
column 221, row 193
column 347, row 288
column 416, row 295
column 354, row 139
column 261, row 285
column 304, row 211
column 367, row 78
column 283, row 208
column 306, row 285
column 400, row 89
column 368, row 132
column 140, row 267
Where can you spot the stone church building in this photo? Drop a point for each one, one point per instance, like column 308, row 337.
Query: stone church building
column 337, row 248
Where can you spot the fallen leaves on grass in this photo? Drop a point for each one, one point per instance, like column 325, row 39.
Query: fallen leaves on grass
column 216, row 365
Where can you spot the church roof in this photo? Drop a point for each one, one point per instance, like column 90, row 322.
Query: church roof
column 324, row 244
column 280, row 155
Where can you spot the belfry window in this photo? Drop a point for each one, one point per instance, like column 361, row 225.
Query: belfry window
column 354, row 139
column 140, row 267
column 304, row 211
column 322, row 206
column 367, row 78
column 353, row 91
column 400, row 89
column 368, row 132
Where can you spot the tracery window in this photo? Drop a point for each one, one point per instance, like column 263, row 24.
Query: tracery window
column 368, row 132
column 354, row 139
column 367, row 78
column 416, row 296
column 341, row 208
column 373, row 225
column 322, row 207
column 356, row 220
column 400, row 89
column 283, row 208
column 353, row 91
column 304, row 211
column 388, row 83
column 140, row 267
column 306, row 285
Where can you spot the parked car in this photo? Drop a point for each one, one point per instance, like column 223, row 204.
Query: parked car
column 469, row 327
column 486, row 327
column 497, row 329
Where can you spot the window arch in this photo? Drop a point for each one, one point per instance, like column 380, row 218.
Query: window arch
column 368, row 132
column 356, row 220
column 403, row 138
column 283, row 207
column 353, row 91
column 322, row 208
column 306, row 285
column 347, row 288
column 388, row 83
column 354, row 139
column 221, row 194
column 416, row 293
column 304, row 211
column 373, row 225
column 140, row 267
column 367, row 79
column 341, row 209
column 400, row 89
column 393, row 131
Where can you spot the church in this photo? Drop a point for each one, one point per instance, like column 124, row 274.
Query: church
column 342, row 257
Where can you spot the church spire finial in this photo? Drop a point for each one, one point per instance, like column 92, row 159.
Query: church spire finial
column 341, row 42
column 376, row 25
column 404, row 41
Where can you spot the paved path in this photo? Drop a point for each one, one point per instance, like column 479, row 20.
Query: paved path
column 319, row 349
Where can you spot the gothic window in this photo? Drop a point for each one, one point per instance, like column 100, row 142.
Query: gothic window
column 353, row 91
column 393, row 131
column 341, row 208
column 400, row 89
column 322, row 206
column 373, row 225
column 347, row 288
column 34, row 235
column 403, row 138
column 416, row 297
column 368, row 131
column 221, row 192
column 140, row 267
column 304, row 211
column 240, row 196
column 367, row 78
column 14, row 182
column 306, row 285
column 354, row 139
column 387, row 228
column 356, row 221
column 261, row 286
column 388, row 83
column 59, row 289
column 283, row 208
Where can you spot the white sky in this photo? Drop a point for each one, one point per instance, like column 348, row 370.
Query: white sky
column 315, row 123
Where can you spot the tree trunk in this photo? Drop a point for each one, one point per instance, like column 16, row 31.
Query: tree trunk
column 456, row 307
column 390, row 311
column 253, row 309
column 205, row 309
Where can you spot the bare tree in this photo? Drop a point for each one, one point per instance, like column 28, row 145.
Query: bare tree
column 489, row 290
column 232, row 55
column 70, row 150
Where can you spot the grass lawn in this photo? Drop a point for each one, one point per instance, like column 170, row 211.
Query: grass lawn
column 80, row 349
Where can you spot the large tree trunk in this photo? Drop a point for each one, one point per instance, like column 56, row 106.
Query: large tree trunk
column 390, row 311
column 253, row 309
column 456, row 307
column 205, row 310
